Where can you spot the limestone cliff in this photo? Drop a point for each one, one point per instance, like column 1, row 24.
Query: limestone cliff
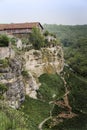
column 36, row 63
column 47, row 60
column 11, row 77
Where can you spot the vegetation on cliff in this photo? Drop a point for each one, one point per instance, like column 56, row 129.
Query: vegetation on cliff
column 4, row 41
column 36, row 39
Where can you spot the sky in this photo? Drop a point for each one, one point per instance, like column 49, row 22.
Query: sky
column 66, row 12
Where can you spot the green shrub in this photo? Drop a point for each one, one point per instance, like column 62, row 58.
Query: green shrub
column 36, row 39
column 13, row 41
column 46, row 33
column 3, row 88
column 25, row 73
column 4, row 41
column 4, row 62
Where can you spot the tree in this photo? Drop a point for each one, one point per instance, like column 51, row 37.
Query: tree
column 46, row 33
column 76, row 56
column 4, row 41
column 36, row 39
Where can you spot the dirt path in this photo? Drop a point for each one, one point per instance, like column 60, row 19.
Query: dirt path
column 46, row 119
column 62, row 104
column 42, row 123
column 66, row 100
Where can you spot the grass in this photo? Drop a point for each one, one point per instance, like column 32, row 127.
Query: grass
column 5, row 123
column 36, row 110
column 52, row 87
column 78, row 101
column 11, row 119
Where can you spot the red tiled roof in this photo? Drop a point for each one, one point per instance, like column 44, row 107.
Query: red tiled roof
column 19, row 26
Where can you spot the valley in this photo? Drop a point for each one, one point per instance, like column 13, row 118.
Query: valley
column 45, row 87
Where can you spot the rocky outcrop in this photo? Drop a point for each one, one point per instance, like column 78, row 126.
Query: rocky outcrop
column 47, row 60
column 31, row 86
column 6, row 52
column 37, row 62
column 12, row 79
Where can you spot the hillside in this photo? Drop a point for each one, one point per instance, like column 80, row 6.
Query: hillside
column 66, row 33
column 34, row 111
column 40, row 90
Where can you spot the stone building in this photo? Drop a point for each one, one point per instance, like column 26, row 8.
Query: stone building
column 19, row 28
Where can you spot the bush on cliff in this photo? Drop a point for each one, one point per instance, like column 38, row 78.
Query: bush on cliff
column 36, row 38
column 4, row 41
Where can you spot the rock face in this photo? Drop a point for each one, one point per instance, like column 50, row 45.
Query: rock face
column 12, row 79
column 37, row 62
column 48, row 60
column 31, row 86
column 6, row 52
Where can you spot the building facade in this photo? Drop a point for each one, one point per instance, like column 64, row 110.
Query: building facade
column 19, row 28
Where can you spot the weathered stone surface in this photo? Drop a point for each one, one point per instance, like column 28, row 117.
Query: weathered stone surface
column 36, row 62
column 11, row 77
column 31, row 86
column 4, row 70
column 16, row 66
column 47, row 60
column 6, row 52
column 19, row 43
column 15, row 94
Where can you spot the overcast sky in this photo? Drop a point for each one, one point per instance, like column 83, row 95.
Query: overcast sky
column 44, row 11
